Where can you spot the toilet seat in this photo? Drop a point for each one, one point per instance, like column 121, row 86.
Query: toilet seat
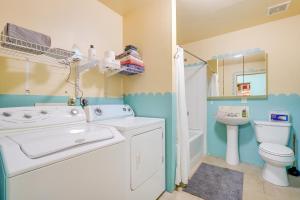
column 277, row 154
column 276, row 150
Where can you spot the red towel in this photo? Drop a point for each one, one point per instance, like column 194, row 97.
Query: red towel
column 132, row 62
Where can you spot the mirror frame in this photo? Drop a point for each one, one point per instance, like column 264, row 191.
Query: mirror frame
column 248, row 97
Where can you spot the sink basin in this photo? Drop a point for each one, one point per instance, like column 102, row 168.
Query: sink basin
column 232, row 117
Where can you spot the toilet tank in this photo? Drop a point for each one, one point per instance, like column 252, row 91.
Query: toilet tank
column 272, row 132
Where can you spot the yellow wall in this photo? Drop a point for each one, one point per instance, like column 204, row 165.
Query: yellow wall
column 174, row 44
column 280, row 39
column 82, row 22
column 150, row 28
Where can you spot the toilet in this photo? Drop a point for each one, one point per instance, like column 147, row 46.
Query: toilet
column 273, row 138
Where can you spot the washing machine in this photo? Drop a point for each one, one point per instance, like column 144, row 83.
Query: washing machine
column 145, row 148
column 52, row 153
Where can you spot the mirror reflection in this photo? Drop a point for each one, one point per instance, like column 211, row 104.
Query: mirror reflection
column 238, row 75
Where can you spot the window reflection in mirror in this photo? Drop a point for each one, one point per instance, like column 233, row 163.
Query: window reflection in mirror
column 239, row 75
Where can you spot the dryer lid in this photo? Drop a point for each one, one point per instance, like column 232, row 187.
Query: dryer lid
column 129, row 123
column 42, row 142
column 276, row 149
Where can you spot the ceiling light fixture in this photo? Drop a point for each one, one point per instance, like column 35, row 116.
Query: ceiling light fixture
column 238, row 55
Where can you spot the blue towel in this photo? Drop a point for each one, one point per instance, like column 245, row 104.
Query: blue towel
column 132, row 69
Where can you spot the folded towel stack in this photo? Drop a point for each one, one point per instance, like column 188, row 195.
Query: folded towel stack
column 131, row 61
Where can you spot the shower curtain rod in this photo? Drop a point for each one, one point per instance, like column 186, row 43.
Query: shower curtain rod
column 195, row 56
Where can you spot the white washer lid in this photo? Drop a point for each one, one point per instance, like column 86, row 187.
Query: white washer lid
column 42, row 142
column 276, row 149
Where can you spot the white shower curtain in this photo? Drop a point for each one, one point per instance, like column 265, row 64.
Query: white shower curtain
column 213, row 87
column 183, row 149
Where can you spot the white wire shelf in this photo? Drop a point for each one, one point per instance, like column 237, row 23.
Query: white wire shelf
column 22, row 50
column 113, row 72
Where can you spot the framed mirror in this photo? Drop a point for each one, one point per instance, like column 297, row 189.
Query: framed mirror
column 241, row 75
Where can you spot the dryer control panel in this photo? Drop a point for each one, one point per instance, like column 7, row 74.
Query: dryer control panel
column 104, row 112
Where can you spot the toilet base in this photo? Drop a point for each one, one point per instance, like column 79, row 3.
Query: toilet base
column 275, row 175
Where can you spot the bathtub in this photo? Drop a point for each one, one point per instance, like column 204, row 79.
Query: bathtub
column 196, row 140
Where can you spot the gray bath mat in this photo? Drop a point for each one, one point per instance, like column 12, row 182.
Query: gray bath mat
column 216, row 183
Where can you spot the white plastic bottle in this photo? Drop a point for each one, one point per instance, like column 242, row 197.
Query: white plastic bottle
column 92, row 53
column 77, row 53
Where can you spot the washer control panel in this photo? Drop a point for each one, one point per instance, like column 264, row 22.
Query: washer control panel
column 30, row 117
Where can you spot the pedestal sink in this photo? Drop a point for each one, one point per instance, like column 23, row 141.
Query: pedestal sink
column 232, row 117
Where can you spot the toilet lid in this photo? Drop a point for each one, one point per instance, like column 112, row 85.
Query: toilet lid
column 276, row 149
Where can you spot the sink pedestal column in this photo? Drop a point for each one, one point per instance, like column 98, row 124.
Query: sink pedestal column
column 232, row 153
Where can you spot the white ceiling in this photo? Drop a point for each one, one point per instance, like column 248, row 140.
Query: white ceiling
column 200, row 19
column 122, row 7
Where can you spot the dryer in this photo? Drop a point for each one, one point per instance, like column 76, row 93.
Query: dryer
column 145, row 148
column 51, row 153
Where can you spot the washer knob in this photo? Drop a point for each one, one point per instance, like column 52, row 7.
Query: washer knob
column 6, row 114
column 74, row 112
column 27, row 116
column 98, row 111
column 44, row 112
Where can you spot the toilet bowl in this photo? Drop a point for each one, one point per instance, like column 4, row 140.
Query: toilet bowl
column 277, row 157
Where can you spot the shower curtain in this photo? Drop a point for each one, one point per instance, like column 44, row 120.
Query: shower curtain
column 213, row 86
column 183, row 149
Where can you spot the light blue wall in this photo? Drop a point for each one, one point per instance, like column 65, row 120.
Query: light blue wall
column 29, row 100
column 259, row 109
column 162, row 106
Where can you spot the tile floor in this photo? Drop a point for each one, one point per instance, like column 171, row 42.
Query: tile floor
column 255, row 188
